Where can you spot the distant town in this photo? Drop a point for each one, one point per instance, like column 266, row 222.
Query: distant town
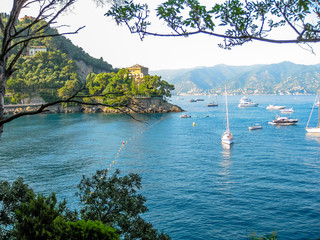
column 195, row 91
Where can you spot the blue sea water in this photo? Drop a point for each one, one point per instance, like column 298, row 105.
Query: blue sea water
column 195, row 187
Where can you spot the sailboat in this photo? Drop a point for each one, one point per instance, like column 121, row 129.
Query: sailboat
column 227, row 136
column 314, row 129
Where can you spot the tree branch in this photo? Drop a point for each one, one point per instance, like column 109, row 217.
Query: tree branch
column 242, row 22
column 71, row 99
column 224, row 36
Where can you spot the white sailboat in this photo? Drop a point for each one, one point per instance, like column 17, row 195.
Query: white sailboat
column 227, row 136
column 314, row 129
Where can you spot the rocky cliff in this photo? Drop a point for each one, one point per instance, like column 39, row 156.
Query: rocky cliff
column 138, row 105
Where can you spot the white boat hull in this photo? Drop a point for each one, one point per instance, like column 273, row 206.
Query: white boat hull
column 248, row 105
column 313, row 130
column 282, row 124
column 226, row 141
column 274, row 107
column 255, row 127
column 227, row 138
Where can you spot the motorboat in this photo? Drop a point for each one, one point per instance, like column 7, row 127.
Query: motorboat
column 192, row 100
column 199, row 99
column 274, row 107
column 255, row 127
column 246, row 102
column 185, row 116
column 283, row 121
column 288, row 110
column 212, row 104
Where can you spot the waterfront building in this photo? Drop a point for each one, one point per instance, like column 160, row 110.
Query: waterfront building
column 138, row 72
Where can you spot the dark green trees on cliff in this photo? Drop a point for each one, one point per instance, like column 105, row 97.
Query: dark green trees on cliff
column 52, row 75
column 103, row 83
column 56, row 73
column 42, row 74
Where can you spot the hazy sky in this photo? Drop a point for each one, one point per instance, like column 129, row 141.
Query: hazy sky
column 103, row 38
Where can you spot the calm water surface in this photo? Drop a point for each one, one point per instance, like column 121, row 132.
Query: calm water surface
column 195, row 188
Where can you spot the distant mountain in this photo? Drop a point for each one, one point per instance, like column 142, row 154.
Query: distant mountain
column 281, row 78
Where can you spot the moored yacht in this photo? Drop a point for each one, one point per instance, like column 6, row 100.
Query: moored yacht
column 283, row 121
column 274, row 107
column 246, row 102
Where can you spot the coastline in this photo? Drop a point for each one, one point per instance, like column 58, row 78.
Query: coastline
column 139, row 105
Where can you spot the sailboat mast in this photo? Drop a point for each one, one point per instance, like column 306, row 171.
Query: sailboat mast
column 319, row 109
column 227, row 109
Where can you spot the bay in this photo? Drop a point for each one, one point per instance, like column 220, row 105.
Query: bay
column 195, row 188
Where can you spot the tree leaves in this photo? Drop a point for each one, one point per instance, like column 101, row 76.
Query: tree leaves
column 237, row 22
column 115, row 201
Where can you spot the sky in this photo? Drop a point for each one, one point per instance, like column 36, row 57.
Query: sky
column 115, row 44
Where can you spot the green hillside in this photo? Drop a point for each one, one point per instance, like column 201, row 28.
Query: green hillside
column 47, row 74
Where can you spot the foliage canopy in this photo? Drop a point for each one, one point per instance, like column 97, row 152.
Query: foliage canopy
column 111, row 207
column 235, row 21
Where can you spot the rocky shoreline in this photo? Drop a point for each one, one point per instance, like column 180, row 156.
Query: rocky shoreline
column 139, row 105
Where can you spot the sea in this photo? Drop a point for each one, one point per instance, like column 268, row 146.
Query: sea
column 196, row 188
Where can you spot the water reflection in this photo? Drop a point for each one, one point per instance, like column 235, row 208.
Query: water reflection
column 225, row 164
column 226, row 151
column 313, row 137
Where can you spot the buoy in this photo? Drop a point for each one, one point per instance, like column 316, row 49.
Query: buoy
column 194, row 124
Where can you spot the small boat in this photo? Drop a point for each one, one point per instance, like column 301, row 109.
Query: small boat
column 255, row 127
column 246, row 102
column 283, row 121
column 314, row 129
column 199, row 99
column 185, row 116
column 212, row 104
column 227, row 137
column 274, row 107
column 289, row 110
column 192, row 100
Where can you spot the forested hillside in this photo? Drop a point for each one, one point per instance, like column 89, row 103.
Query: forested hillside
column 281, row 78
column 64, row 45
column 48, row 74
